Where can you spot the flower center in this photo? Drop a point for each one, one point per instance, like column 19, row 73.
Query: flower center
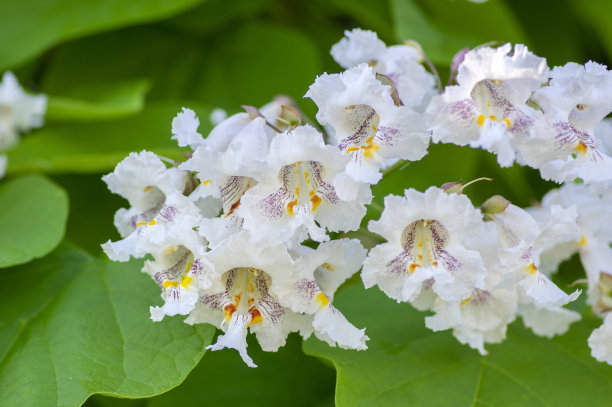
column 362, row 123
column 176, row 263
column 247, row 289
column 302, row 181
column 424, row 242
column 488, row 97
column 153, row 199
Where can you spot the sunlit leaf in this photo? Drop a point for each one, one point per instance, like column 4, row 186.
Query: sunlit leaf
column 407, row 364
column 33, row 213
column 98, row 147
column 31, row 26
column 103, row 101
column 73, row 326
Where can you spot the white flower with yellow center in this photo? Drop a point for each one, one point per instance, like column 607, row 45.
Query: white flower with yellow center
column 518, row 235
column 564, row 145
column 297, row 194
column 399, row 63
column 159, row 211
column 331, row 264
column 425, row 234
column 247, row 281
column 19, row 111
column 363, row 120
column 488, row 109
column 180, row 275
column 593, row 204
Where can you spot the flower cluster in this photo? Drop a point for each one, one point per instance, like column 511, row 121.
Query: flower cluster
column 239, row 233
column 19, row 112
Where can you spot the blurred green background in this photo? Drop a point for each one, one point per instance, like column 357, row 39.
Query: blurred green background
column 117, row 72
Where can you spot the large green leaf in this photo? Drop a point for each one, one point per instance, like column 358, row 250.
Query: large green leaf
column 98, row 147
column 107, row 101
column 169, row 60
column 596, row 16
column 285, row 378
column 406, row 364
column 73, row 326
column 254, row 63
column 443, row 27
column 33, row 213
column 28, row 27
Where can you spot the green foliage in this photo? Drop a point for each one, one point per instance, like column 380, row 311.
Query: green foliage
column 96, row 147
column 73, row 325
column 117, row 72
column 99, row 102
column 407, row 364
column 450, row 25
column 31, row 26
column 33, row 218
column 285, row 378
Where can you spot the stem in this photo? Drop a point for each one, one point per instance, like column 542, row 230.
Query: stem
column 395, row 167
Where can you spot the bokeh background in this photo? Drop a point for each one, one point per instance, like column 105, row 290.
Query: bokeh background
column 117, row 72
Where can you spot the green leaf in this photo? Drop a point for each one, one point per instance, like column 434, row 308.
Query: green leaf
column 73, row 326
column 595, row 16
column 169, row 60
column 100, row 102
column 33, row 213
column 444, row 27
column 98, row 147
column 407, row 364
column 29, row 27
column 283, row 378
column 256, row 62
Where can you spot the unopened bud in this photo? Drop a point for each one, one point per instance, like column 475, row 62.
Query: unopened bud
column 252, row 111
column 291, row 115
column 495, row 204
column 452, row 187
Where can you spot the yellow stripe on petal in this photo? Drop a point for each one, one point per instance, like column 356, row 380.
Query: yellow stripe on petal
column 322, row 300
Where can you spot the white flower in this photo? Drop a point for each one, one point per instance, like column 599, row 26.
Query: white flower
column 159, row 215
column 399, row 63
column 600, row 341
column 297, row 192
column 593, row 204
column 185, row 129
column 481, row 318
column 487, row 108
column 246, row 283
column 425, row 233
column 19, row 111
column 518, row 234
column 179, row 275
column 331, row 263
column 362, row 119
column 563, row 144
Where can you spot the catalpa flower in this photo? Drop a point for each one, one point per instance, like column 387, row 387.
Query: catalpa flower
column 518, row 236
column 19, row 111
column 247, row 281
column 297, row 194
column 332, row 263
column 563, row 144
column 600, row 341
column 425, row 248
column 180, row 275
column 400, row 64
column 158, row 207
column 488, row 108
column 593, row 203
column 365, row 123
